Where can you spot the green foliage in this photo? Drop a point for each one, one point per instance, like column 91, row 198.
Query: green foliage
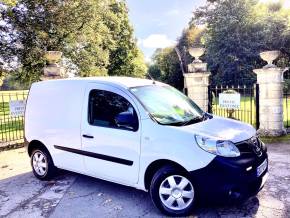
column 234, row 32
column 9, row 2
column 192, row 36
column 280, row 139
column 95, row 37
column 166, row 67
column 287, row 85
column 232, row 40
column 125, row 57
column 237, row 30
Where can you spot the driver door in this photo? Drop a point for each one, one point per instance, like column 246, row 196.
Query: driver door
column 110, row 151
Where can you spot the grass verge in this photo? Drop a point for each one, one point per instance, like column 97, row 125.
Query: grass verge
column 268, row 140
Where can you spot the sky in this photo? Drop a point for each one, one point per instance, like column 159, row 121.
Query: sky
column 158, row 23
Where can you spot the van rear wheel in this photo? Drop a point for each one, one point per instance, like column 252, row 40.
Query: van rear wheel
column 172, row 191
column 42, row 164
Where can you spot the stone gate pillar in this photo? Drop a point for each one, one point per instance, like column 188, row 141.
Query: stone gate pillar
column 270, row 80
column 197, row 88
column 53, row 70
column 196, row 81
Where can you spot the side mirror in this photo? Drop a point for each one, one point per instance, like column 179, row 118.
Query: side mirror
column 125, row 120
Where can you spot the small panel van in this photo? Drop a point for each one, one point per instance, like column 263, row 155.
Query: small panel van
column 144, row 134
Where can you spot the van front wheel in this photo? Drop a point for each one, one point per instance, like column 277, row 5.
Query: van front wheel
column 172, row 192
column 42, row 164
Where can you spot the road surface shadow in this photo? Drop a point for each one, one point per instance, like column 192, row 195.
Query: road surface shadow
column 90, row 197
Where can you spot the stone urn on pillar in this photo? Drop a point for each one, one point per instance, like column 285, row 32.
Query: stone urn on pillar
column 197, row 65
column 270, row 80
column 53, row 70
column 196, row 80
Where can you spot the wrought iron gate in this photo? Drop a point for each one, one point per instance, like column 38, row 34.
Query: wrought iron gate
column 286, row 99
column 11, row 127
column 249, row 103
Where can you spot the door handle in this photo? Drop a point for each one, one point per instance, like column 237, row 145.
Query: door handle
column 88, row 136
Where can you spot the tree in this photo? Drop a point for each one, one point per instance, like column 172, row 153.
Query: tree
column 233, row 32
column 275, row 22
column 84, row 30
column 39, row 25
column 232, row 39
column 125, row 57
column 166, row 67
column 193, row 36
column 236, row 31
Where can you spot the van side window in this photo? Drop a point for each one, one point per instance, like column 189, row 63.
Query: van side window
column 108, row 109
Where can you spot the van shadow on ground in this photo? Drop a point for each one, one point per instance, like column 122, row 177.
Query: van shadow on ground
column 90, row 197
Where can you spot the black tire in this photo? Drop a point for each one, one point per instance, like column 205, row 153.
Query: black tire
column 50, row 170
column 158, row 179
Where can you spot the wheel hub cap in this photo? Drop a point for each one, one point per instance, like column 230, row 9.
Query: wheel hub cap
column 176, row 192
column 39, row 163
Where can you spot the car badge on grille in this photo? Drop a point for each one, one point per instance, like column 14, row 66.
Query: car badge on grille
column 256, row 146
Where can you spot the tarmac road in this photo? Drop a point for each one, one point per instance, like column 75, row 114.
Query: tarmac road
column 74, row 195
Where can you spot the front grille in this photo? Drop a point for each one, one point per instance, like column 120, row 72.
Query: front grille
column 252, row 145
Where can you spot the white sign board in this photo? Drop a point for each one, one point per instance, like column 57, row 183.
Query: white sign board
column 230, row 100
column 17, row 108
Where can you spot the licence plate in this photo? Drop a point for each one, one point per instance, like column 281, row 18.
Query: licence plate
column 262, row 168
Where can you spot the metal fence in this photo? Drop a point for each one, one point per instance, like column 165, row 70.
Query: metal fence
column 286, row 100
column 286, row 109
column 11, row 125
column 249, row 103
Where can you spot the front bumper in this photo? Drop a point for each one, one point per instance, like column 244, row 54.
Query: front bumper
column 228, row 179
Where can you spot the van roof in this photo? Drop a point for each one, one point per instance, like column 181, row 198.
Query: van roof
column 126, row 82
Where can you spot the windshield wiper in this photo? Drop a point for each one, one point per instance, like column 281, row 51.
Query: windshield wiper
column 196, row 119
column 184, row 123
column 193, row 120
column 206, row 116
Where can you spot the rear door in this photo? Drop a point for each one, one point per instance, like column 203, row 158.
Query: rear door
column 110, row 152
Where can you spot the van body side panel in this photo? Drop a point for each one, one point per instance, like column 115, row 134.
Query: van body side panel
column 111, row 153
column 160, row 142
column 53, row 116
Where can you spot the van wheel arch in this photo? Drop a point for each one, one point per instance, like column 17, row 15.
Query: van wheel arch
column 39, row 150
column 155, row 166
column 36, row 144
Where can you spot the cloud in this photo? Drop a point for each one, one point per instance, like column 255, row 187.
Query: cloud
column 148, row 60
column 173, row 12
column 139, row 42
column 286, row 4
column 157, row 41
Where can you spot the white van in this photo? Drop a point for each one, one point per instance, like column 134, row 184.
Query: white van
column 143, row 134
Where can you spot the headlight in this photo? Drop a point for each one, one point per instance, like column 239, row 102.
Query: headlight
column 217, row 147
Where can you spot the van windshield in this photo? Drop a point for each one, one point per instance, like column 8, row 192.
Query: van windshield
column 167, row 105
